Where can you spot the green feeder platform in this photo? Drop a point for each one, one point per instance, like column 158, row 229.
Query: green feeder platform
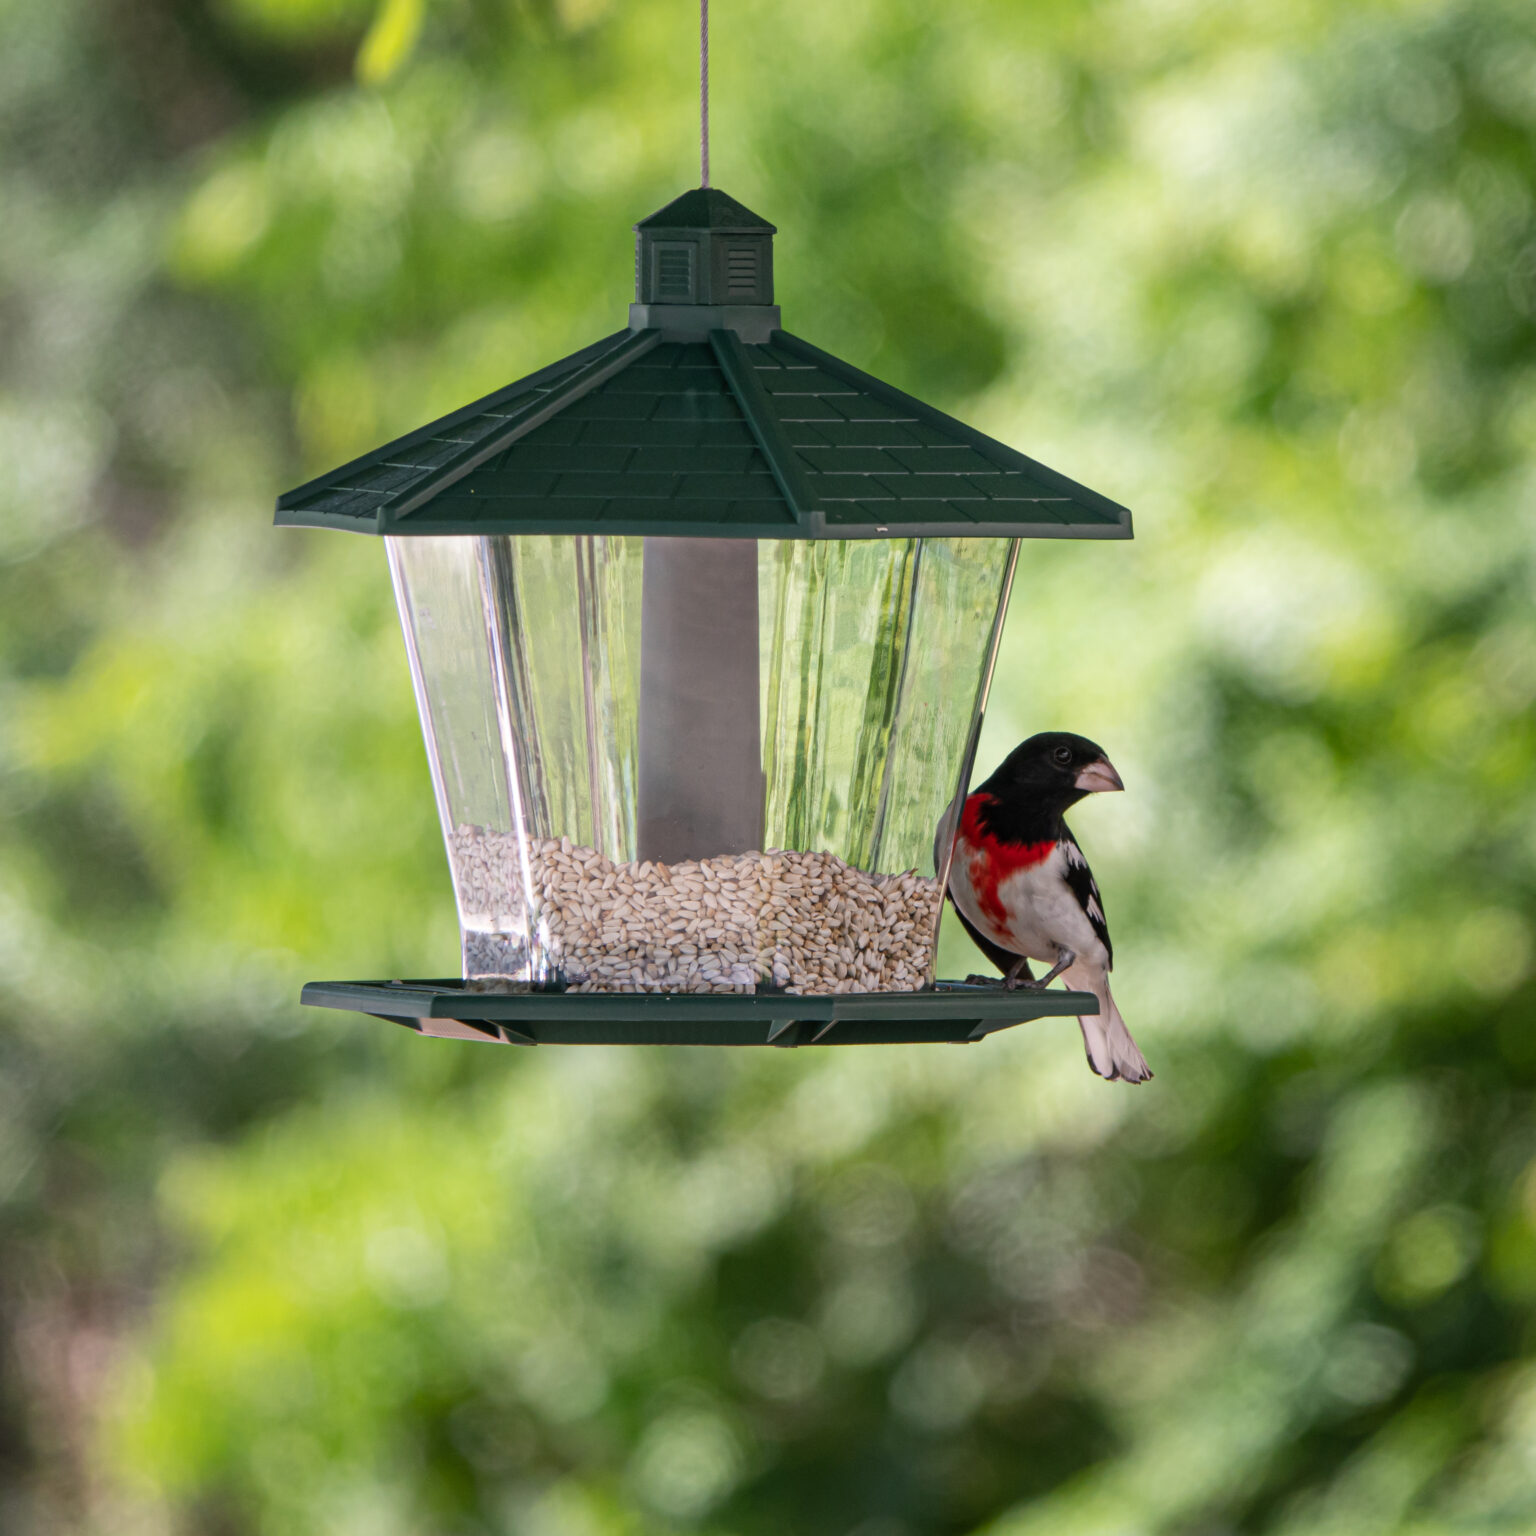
column 701, row 622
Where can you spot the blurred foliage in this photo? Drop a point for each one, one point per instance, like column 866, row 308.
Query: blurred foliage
column 1266, row 273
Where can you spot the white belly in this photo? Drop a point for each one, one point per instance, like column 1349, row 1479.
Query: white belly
column 1039, row 914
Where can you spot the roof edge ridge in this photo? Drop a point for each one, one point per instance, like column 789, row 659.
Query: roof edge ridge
column 784, row 462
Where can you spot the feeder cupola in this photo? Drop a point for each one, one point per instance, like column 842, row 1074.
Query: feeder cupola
column 702, row 263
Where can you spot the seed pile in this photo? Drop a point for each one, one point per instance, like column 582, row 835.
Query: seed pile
column 803, row 922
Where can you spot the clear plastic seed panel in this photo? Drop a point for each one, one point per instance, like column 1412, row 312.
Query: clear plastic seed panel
column 697, row 765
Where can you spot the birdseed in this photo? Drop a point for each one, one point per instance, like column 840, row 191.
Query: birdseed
column 798, row 922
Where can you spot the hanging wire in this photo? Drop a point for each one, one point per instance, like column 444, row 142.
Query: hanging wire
column 703, row 93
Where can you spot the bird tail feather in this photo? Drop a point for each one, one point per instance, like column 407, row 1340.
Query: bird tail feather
column 1111, row 1051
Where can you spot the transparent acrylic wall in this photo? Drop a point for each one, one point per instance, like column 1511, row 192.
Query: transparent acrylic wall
column 532, row 675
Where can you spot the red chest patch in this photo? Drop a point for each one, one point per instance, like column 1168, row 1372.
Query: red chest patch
column 989, row 861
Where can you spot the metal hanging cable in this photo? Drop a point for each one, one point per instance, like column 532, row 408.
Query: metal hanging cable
column 703, row 93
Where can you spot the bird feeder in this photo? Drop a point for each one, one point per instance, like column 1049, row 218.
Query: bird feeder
column 701, row 622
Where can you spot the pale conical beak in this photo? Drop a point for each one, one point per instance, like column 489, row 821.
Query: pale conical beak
column 1099, row 776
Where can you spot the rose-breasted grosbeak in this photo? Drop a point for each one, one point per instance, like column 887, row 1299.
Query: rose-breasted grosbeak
column 1024, row 890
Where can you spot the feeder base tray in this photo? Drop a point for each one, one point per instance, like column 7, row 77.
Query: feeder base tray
column 952, row 1011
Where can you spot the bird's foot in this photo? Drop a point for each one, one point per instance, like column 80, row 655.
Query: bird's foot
column 1064, row 958
column 1018, row 975
column 981, row 981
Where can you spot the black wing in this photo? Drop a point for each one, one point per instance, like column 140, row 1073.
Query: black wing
column 1086, row 889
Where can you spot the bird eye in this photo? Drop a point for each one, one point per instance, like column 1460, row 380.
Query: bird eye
column 1062, row 755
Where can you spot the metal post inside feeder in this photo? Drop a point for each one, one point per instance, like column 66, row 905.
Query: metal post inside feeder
column 701, row 778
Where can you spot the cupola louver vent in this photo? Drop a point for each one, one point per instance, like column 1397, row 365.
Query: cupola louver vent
column 674, row 273
column 741, row 272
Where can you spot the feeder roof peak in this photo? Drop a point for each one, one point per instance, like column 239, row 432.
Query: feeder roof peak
column 707, row 208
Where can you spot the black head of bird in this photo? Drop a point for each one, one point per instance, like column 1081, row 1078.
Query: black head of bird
column 1053, row 771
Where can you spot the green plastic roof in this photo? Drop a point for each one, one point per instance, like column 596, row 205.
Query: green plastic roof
column 640, row 435
column 706, row 208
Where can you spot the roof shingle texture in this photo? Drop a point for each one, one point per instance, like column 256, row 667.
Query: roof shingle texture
column 663, row 443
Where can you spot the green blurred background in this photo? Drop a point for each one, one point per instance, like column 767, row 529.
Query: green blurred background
column 1264, row 272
